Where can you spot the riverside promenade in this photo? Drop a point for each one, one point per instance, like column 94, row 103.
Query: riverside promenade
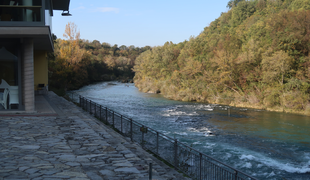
column 61, row 141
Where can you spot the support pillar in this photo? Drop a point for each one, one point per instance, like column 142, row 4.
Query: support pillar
column 28, row 79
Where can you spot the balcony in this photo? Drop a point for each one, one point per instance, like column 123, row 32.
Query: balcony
column 25, row 12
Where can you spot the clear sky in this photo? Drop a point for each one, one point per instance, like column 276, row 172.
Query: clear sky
column 139, row 22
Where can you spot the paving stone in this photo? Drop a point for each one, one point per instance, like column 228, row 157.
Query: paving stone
column 32, row 170
column 107, row 173
column 23, row 168
column 73, row 174
column 37, row 178
column 67, row 157
column 6, row 170
column 31, row 147
column 82, row 159
column 16, row 177
column 125, row 164
column 73, row 164
column 127, row 170
column 93, row 176
column 50, row 171
column 130, row 155
column 75, row 146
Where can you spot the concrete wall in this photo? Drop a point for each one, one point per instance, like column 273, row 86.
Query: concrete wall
column 40, row 68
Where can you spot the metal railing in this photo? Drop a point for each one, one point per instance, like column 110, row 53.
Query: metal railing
column 189, row 161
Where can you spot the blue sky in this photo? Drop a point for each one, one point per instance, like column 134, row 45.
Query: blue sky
column 139, row 23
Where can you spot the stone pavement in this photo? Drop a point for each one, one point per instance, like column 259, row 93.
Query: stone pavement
column 71, row 145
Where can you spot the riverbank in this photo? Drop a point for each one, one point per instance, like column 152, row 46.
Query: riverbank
column 229, row 99
column 273, row 109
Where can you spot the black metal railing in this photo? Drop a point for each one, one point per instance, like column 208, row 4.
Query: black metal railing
column 191, row 162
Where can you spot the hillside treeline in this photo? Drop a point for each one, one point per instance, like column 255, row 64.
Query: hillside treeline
column 254, row 55
column 77, row 62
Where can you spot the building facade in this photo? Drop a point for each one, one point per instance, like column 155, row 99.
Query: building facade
column 25, row 39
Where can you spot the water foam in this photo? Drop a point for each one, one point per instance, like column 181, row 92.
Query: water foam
column 250, row 159
column 207, row 107
column 277, row 164
column 175, row 112
column 248, row 165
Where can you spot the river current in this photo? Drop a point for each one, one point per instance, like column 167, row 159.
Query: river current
column 263, row 144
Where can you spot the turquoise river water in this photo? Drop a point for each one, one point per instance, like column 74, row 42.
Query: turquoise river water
column 266, row 145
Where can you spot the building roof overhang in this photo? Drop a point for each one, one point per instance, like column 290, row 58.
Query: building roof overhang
column 41, row 36
column 61, row 5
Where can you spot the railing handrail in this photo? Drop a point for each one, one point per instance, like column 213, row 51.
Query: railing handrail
column 164, row 136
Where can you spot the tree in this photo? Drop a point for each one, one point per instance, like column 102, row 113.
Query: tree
column 70, row 49
column 233, row 3
column 243, row 11
column 71, row 32
column 276, row 66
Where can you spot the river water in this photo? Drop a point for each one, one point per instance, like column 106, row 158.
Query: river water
column 266, row 145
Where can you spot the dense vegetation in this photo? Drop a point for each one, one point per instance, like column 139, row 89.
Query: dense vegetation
column 76, row 62
column 254, row 55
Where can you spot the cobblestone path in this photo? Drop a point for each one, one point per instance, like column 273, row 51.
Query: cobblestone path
column 72, row 145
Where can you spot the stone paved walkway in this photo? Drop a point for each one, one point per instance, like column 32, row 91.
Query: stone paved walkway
column 72, row 145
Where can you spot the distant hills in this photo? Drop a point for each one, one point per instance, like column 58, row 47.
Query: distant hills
column 255, row 55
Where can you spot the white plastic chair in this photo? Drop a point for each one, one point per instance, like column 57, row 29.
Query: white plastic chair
column 4, row 85
column 3, row 101
column 14, row 99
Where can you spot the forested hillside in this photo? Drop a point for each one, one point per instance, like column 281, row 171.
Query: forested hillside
column 77, row 62
column 254, row 55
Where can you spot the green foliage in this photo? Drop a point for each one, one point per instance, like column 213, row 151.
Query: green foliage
column 300, row 5
column 276, row 66
column 295, row 100
column 244, row 10
column 272, row 97
column 257, row 54
column 233, row 3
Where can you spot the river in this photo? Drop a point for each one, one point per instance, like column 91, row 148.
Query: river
column 266, row 145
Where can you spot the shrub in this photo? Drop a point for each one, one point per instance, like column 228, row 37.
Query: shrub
column 307, row 111
column 295, row 100
column 272, row 98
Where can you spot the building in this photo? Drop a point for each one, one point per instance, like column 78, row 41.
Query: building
column 25, row 39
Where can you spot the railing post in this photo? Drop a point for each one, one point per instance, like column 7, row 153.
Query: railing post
column 83, row 103
column 236, row 175
column 100, row 112
column 106, row 115
column 228, row 111
column 200, row 166
column 90, row 106
column 95, row 110
column 121, row 123
column 150, row 171
column 131, row 129
column 113, row 120
column 157, row 144
column 176, row 154
column 80, row 101
column 142, row 143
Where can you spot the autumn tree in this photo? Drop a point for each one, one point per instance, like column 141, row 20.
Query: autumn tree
column 69, row 49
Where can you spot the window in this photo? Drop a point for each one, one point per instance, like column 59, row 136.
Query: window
column 9, row 81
